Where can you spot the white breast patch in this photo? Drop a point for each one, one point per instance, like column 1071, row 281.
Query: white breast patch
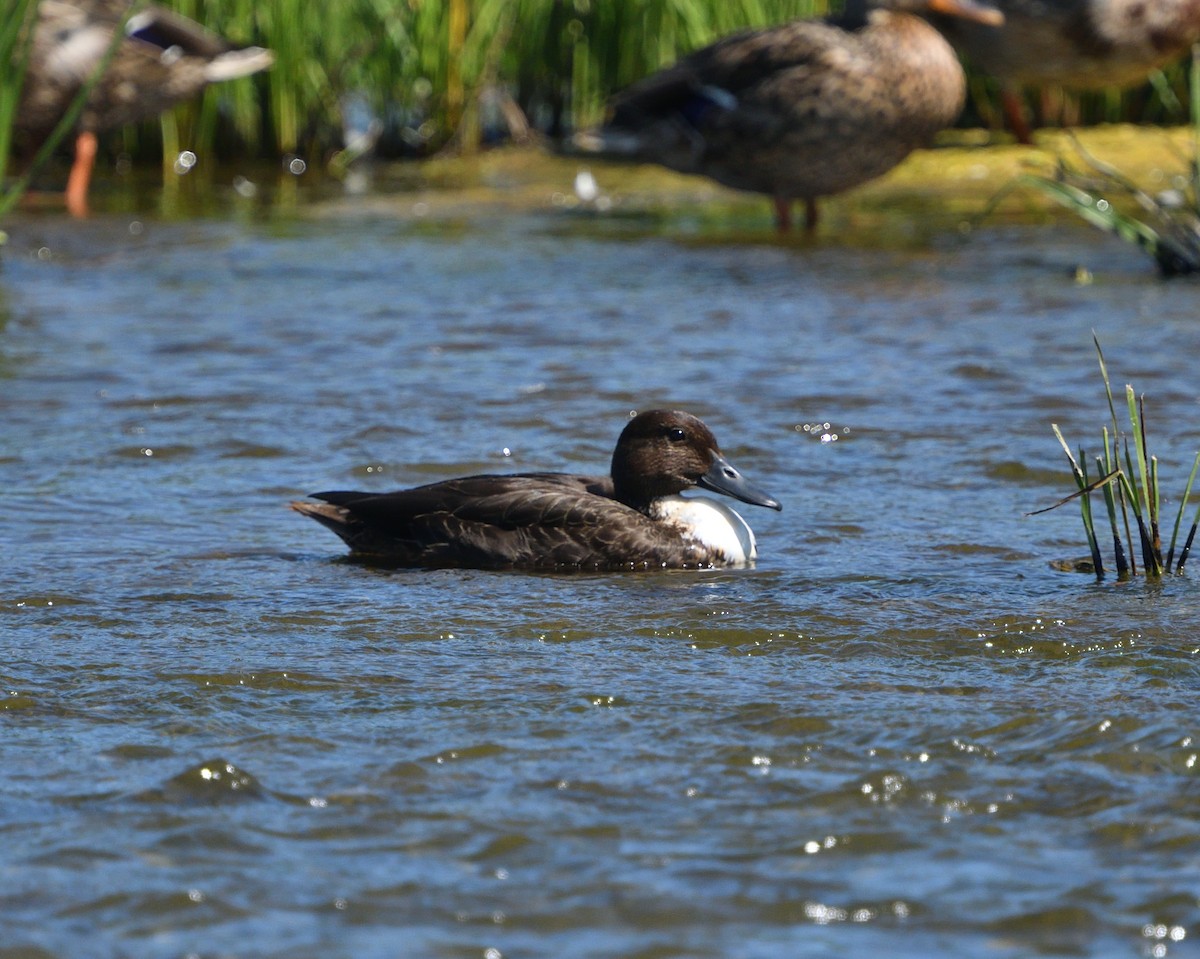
column 711, row 524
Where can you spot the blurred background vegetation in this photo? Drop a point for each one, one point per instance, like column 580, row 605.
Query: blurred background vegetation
column 434, row 74
column 447, row 72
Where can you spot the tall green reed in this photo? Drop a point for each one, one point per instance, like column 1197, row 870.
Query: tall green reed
column 429, row 68
column 16, row 41
column 1128, row 479
column 422, row 64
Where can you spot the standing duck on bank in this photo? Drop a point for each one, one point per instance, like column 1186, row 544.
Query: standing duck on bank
column 163, row 59
column 799, row 111
column 632, row 519
column 1077, row 44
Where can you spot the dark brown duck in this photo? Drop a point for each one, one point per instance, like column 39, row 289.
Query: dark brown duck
column 632, row 519
column 798, row 111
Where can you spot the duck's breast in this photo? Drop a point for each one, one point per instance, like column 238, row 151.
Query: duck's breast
column 710, row 524
column 74, row 51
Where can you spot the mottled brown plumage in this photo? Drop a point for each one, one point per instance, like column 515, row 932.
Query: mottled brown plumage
column 798, row 111
column 163, row 59
column 1078, row 44
column 553, row 520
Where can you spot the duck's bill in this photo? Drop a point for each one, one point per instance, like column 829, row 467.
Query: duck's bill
column 969, row 10
column 722, row 477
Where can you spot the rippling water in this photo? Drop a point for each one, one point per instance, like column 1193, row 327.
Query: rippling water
column 902, row 734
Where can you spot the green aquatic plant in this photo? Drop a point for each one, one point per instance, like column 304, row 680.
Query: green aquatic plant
column 16, row 41
column 1128, row 479
column 440, row 73
column 448, row 71
column 424, row 65
column 1165, row 225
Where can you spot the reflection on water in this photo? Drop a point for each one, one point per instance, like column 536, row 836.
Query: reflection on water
column 902, row 734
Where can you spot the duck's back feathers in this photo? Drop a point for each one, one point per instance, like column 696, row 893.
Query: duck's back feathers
column 797, row 111
column 1080, row 44
column 163, row 59
column 527, row 520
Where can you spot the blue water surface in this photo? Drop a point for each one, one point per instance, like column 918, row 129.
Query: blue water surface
column 903, row 733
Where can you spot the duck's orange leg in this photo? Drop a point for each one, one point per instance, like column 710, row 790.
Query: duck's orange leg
column 1014, row 111
column 811, row 215
column 783, row 214
column 81, row 174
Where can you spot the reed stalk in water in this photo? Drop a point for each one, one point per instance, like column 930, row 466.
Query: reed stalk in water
column 16, row 41
column 1129, row 480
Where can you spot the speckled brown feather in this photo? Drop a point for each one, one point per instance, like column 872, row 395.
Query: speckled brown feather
column 798, row 111
column 69, row 43
column 1079, row 43
column 523, row 520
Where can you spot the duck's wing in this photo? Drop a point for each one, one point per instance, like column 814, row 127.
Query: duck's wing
column 527, row 520
column 747, row 91
column 719, row 78
column 164, row 58
column 164, row 29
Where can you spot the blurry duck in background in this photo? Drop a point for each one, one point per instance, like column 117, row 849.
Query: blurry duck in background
column 1076, row 44
column 799, row 111
column 163, row 59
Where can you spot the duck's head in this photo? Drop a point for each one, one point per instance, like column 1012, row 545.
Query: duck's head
column 963, row 9
column 664, row 452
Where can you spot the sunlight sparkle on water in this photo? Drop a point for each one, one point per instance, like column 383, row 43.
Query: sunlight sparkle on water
column 1161, row 934
column 824, row 432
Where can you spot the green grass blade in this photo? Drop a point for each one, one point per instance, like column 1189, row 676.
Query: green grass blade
column 1195, row 91
column 1085, row 504
column 1147, row 480
column 1187, row 548
column 1112, row 408
column 1115, row 492
column 16, row 43
column 1139, row 446
column 1110, row 505
column 1187, row 492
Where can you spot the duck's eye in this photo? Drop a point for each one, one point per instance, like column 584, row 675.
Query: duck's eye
column 676, row 435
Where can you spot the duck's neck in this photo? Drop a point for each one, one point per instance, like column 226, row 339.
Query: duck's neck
column 640, row 503
column 854, row 14
column 632, row 490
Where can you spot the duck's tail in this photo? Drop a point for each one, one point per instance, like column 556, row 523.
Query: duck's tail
column 605, row 142
column 337, row 518
column 178, row 36
column 238, row 63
